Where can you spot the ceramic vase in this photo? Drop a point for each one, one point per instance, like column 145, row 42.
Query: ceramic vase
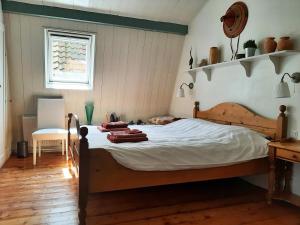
column 89, row 109
column 213, row 55
column 269, row 45
column 250, row 52
column 285, row 43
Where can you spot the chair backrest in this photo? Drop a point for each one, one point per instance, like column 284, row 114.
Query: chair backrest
column 51, row 113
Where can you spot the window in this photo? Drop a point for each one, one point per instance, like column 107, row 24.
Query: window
column 69, row 59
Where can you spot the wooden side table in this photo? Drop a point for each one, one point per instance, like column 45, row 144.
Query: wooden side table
column 282, row 156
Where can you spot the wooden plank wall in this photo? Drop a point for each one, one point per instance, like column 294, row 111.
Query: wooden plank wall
column 135, row 70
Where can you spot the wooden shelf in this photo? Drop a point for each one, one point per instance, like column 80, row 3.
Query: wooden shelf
column 275, row 58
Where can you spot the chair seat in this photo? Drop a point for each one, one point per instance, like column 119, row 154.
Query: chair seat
column 50, row 134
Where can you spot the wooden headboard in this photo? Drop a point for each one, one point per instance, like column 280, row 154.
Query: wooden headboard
column 235, row 114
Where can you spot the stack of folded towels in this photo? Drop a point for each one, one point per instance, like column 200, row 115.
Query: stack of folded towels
column 133, row 135
column 119, row 132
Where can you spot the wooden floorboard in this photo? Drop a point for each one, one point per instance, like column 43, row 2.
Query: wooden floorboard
column 47, row 195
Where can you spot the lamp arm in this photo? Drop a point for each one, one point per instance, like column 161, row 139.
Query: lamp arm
column 190, row 85
column 183, row 84
column 284, row 76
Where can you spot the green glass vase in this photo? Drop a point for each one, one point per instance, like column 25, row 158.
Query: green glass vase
column 89, row 109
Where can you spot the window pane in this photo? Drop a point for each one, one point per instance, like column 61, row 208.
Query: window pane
column 69, row 60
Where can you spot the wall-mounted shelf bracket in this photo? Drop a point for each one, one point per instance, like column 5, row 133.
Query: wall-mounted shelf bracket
column 247, row 67
column 276, row 61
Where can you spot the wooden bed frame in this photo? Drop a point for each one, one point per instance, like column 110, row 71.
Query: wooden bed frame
column 99, row 172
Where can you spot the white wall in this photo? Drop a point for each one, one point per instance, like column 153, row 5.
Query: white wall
column 135, row 70
column 266, row 18
column 6, row 132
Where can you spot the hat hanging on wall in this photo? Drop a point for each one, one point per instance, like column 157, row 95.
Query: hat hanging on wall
column 235, row 19
column 234, row 22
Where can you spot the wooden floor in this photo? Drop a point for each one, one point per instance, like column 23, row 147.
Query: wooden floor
column 47, row 194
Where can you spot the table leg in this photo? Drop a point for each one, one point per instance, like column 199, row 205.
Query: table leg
column 62, row 146
column 288, row 177
column 279, row 175
column 271, row 174
column 39, row 143
column 34, row 152
column 67, row 149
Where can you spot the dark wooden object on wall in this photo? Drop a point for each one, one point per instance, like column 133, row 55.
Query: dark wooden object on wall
column 99, row 172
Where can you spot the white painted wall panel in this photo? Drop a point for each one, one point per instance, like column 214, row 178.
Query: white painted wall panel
column 266, row 18
column 132, row 70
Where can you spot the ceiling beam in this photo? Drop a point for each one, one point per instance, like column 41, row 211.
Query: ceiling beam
column 93, row 17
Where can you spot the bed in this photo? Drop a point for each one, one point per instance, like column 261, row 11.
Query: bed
column 103, row 167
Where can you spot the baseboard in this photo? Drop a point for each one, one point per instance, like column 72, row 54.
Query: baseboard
column 262, row 182
column 2, row 160
column 4, row 157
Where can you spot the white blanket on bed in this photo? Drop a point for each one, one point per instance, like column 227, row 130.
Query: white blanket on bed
column 184, row 144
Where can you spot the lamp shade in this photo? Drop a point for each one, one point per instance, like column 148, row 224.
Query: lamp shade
column 282, row 90
column 180, row 93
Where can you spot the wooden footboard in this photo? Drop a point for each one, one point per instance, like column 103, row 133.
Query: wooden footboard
column 99, row 172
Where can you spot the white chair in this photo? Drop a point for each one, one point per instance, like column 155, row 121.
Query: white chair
column 51, row 125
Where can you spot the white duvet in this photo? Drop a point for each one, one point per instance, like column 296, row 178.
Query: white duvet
column 184, row 144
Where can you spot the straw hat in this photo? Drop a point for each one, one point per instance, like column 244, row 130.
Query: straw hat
column 235, row 19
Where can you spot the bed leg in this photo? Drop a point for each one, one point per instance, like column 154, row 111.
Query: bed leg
column 83, row 175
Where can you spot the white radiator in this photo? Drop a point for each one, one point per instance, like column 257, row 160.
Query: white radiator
column 29, row 126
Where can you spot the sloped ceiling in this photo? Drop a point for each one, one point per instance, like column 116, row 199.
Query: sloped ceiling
column 175, row 11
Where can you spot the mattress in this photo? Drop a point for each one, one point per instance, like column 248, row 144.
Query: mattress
column 184, row 144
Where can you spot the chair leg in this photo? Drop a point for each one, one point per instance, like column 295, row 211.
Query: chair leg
column 67, row 149
column 39, row 143
column 34, row 151
column 62, row 147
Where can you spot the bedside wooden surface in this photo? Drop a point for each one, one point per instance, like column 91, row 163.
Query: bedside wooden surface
column 290, row 145
column 282, row 155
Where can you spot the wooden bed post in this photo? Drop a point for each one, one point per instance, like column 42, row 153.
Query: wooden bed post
column 282, row 124
column 83, row 175
column 196, row 109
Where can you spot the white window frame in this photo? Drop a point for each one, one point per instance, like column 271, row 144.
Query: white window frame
column 49, row 34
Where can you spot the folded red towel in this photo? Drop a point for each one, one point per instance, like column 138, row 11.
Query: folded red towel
column 135, row 131
column 126, row 135
column 119, row 124
column 121, row 140
column 102, row 129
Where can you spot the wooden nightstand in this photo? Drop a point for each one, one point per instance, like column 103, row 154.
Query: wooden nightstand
column 282, row 156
